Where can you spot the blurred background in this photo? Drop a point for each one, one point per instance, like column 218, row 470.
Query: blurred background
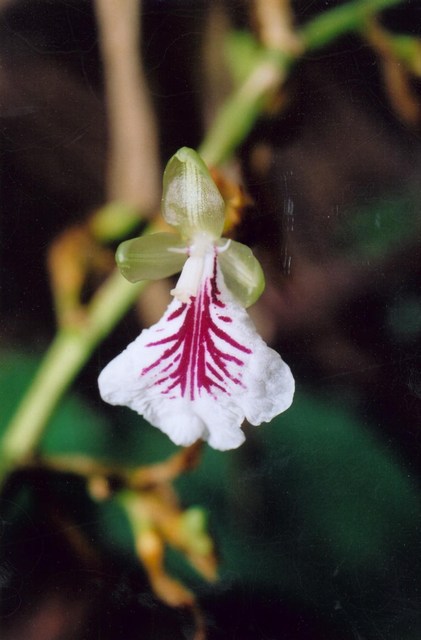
column 316, row 518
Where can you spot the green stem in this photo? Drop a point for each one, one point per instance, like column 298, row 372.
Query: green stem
column 72, row 347
column 348, row 17
column 239, row 113
column 68, row 352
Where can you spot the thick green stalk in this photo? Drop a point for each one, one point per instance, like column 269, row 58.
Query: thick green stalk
column 238, row 115
column 68, row 352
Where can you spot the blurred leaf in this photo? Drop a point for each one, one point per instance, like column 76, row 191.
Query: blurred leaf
column 313, row 505
column 314, row 478
column 79, row 427
column 75, row 426
column 381, row 227
column 404, row 318
column 310, row 498
column 135, row 441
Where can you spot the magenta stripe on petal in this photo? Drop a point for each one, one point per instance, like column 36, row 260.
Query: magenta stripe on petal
column 195, row 364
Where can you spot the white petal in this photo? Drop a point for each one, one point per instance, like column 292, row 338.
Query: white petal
column 201, row 370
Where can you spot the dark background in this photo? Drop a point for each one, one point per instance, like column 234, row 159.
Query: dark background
column 316, row 517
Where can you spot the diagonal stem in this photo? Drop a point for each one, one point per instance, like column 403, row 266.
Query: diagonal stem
column 67, row 354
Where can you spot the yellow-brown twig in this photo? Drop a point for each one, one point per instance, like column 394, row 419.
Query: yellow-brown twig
column 135, row 479
column 275, row 25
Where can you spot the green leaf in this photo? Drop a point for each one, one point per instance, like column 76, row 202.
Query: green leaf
column 151, row 257
column 191, row 200
column 242, row 272
column 404, row 318
column 312, row 505
column 381, row 228
column 135, row 441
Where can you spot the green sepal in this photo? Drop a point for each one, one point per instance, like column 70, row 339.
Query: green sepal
column 242, row 272
column 151, row 257
column 191, row 201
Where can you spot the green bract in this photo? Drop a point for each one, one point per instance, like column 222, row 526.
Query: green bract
column 151, row 257
column 191, row 201
column 193, row 205
column 242, row 273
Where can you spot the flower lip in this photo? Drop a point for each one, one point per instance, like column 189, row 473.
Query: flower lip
column 201, row 369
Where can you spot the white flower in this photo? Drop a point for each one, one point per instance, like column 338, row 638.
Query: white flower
column 202, row 369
